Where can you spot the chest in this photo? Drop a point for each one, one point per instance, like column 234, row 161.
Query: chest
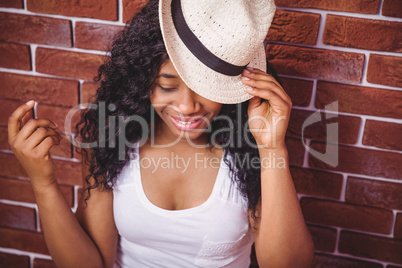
column 176, row 182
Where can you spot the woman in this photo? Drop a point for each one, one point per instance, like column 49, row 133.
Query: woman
column 180, row 174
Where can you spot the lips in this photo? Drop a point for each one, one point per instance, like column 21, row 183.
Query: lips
column 188, row 123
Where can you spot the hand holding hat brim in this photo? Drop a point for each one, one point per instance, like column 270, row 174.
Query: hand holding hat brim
column 269, row 109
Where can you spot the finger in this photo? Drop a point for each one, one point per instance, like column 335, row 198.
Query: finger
column 40, row 135
column 44, row 147
column 274, row 99
column 254, row 102
column 257, row 74
column 28, row 116
column 14, row 121
column 32, row 125
column 264, row 81
column 267, row 91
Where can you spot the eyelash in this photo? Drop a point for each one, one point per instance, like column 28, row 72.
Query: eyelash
column 166, row 89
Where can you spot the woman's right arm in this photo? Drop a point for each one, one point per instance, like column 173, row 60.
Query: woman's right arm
column 88, row 242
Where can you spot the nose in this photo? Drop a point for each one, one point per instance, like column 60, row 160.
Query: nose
column 187, row 102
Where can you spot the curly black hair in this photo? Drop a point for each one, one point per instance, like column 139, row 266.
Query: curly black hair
column 125, row 81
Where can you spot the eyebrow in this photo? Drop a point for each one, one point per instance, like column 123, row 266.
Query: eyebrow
column 165, row 75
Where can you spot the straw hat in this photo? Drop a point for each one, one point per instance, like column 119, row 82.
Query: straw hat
column 210, row 42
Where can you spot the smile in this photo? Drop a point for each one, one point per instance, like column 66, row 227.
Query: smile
column 186, row 124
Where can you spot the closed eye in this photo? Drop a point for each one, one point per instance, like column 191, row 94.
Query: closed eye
column 167, row 89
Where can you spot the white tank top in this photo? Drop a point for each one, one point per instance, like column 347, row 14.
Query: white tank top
column 213, row 234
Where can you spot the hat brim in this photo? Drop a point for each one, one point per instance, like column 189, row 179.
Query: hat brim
column 197, row 76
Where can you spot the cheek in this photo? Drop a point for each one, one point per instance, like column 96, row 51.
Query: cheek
column 156, row 105
column 156, row 101
column 158, row 108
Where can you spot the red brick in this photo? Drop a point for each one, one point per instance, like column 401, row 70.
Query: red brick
column 42, row 263
column 348, row 127
column 294, row 27
column 77, row 153
column 296, row 151
column 358, row 6
column 324, row 238
column 359, row 100
column 64, row 149
column 360, row 161
column 58, row 115
column 316, row 63
column 374, row 193
column 362, row 33
column 88, row 91
column 6, row 109
column 21, row 191
column 398, row 226
column 15, row 56
column 347, row 215
column 298, row 90
column 98, row 9
column 14, row 261
column 392, row 8
column 130, row 8
column 16, row 190
column 385, row 70
column 67, row 63
column 69, row 172
column 12, row 3
column 35, row 29
column 9, row 166
column 318, row 183
column 95, row 35
column 371, row 247
column 23, row 240
column 383, row 135
column 41, row 89
column 4, row 138
column 331, row 261
column 17, row 217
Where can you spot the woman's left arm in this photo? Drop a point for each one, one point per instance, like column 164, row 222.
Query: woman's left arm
column 281, row 236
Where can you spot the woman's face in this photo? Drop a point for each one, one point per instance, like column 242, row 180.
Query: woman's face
column 184, row 113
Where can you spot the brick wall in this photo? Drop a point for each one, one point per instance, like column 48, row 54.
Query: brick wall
column 325, row 51
column 349, row 52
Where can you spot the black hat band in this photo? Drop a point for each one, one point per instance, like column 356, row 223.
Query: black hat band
column 197, row 48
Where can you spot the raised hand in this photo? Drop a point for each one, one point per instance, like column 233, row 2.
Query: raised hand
column 31, row 144
column 268, row 110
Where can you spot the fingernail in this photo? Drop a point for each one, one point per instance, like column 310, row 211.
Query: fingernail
column 29, row 103
column 249, row 89
column 250, row 68
column 246, row 71
column 246, row 78
column 56, row 124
